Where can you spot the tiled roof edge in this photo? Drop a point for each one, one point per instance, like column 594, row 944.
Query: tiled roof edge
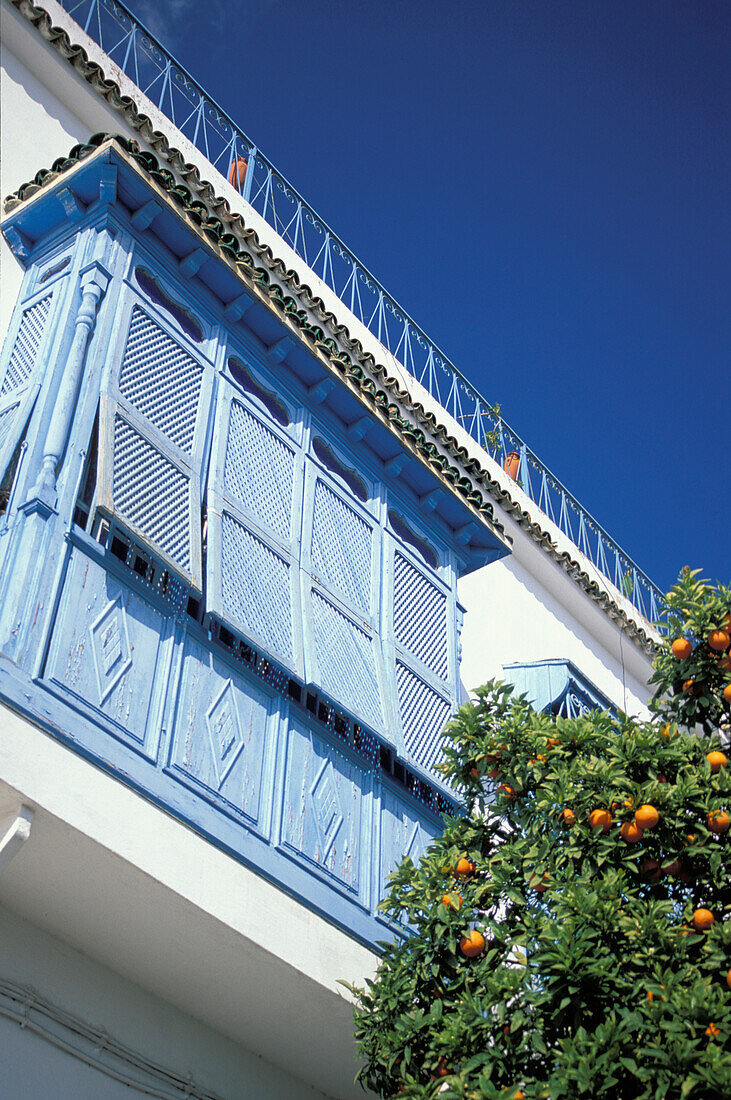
column 221, row 210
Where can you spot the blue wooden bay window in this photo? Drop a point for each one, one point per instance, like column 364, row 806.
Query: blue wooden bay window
column 307, row 556
column 219, row 578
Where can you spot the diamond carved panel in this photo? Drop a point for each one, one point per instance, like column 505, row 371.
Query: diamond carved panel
column 224, row 732
column 417, row 844
column 109, row 654
column 323, row 807
column 324, row 799
column 404, row 832
column 223, row 729
column 110, row 647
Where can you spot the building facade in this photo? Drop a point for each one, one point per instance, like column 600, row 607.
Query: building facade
column 249, row 565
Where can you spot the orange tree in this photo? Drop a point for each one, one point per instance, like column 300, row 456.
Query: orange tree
column 569, row 934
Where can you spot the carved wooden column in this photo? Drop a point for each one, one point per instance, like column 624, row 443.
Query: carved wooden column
column 94, row 282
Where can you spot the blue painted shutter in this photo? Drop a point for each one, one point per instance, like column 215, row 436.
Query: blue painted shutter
column 424, row 713
column 423, row 669
column 420, row 616
column 342, row 554
column 20, row 378
column 153, row 418
column 252, row 570
column 341, row 549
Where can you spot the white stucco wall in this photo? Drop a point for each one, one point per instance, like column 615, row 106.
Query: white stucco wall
column 525, row 608
column 34, row 1066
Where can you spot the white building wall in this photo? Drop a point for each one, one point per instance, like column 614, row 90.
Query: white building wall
column 525, row 608
column 35, row 1065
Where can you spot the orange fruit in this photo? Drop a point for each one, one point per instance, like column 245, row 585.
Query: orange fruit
column 506, row 791
column 718, row 821
column 650, row 869
column 674, row 868
column 473, row 944
column 600, row 819
column 702, row 920
column 712, row 1031
column 553, row 741
column 464, row 868
column 688, row 686
column 540, row 885
column 727, row 693
column 718, row 640
column 631, row 833
column 681, row 648
column 717, row 760
column 569, row 817
column 728, row 979
column 442, row 1070
column 725, row 662
column 647, row 816
column 492, row 763
column 447, row 901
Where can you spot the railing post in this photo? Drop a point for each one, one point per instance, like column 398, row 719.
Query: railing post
column 131, row 45
column 92, row 8
column 248, row 178
column 523, row 475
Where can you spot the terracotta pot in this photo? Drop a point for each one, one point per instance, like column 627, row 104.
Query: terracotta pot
column 511, row 464
column 237, row 173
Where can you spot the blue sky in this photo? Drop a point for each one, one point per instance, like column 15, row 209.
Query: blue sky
column 544, row 187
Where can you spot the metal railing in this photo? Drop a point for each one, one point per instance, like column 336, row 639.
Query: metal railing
column 171, row 88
